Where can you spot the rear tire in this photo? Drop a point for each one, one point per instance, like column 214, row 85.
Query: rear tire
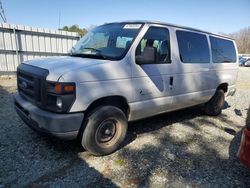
column 105, row 130
column 214, row 106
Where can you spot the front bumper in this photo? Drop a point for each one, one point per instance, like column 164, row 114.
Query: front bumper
column 64, row 126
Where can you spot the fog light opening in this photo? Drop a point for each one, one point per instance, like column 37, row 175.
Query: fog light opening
column 59, row 102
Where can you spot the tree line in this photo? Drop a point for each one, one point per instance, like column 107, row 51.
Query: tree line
column 74, row 28
column 242, row 38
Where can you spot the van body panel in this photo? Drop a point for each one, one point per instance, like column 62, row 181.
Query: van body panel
column 105, row 71
column 60, row 65
column 147, row 108
column 88, row 92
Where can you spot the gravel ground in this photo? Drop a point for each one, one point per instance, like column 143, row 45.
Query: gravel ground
column 180, row 149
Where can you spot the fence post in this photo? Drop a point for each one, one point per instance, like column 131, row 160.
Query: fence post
column 17, row 45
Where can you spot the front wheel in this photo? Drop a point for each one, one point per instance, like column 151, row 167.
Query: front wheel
column 105, row 130
column 214, row 106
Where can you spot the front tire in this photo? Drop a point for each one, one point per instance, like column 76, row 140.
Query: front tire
column 105, row 130
column 214, row 106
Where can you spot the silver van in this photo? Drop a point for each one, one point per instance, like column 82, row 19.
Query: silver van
column 122, row 72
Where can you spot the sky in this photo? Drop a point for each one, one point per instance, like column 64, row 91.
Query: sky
column 218, row 16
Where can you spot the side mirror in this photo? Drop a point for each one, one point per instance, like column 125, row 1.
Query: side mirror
column 148, row 56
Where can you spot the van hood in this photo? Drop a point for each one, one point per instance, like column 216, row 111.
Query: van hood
column 57, row 66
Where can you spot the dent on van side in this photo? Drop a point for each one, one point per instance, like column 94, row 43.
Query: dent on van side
column 122, row 72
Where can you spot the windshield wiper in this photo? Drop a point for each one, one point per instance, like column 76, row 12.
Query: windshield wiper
column 98, row 55
column 94, row 49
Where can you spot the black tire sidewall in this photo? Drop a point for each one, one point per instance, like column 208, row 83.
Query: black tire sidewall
column 94, row 120
column 219, row 97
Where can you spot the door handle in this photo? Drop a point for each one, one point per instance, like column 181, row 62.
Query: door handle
column 171, row 80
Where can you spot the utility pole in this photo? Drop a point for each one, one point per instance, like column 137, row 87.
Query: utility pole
column 59, row 21
column 2, row 12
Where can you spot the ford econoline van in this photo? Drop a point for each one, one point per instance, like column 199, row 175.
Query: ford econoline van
column 121, row 72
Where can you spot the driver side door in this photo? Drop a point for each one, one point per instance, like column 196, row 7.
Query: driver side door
column 152, row 72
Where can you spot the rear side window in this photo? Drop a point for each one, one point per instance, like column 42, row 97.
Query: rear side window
column 223, row 51
column 193, row 47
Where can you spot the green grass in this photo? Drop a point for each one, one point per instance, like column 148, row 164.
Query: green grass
column 120, row 162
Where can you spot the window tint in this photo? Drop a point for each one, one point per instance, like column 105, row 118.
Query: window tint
column 223, row 51
column 193, row 47
column 157, row 38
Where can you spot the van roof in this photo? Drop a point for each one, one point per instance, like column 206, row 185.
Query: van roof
column 173, row 25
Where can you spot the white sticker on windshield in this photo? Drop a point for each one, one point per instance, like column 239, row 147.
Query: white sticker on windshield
column 132, row 26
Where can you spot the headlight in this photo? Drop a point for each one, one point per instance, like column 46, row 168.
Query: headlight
column 60, row 88
column 60, row 96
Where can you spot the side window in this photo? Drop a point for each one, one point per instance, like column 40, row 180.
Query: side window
column 156, row 38
column 193, row 47
column 223, row 51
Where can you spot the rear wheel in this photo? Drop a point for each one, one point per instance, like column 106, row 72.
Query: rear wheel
column 214, row 106
column 105, row 130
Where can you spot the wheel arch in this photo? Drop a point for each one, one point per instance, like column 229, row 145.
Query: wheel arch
column 115, row 100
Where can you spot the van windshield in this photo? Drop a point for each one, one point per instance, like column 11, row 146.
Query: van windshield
column 109, row 41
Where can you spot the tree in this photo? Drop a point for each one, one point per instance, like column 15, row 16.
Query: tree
column 75, row 28
column 242, row 38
